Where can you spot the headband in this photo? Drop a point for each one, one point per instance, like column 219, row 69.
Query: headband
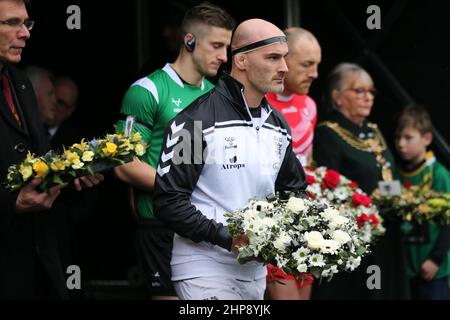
column 259, row 44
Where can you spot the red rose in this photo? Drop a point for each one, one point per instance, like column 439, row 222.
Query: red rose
column 310, row 179
column 407, row 184
column 360, row 199
column 363, row 218
column 354, row 185
column 331, row 179
column 374, row 220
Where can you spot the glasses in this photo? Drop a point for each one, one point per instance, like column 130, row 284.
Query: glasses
column 360, row 92
column 18, row 23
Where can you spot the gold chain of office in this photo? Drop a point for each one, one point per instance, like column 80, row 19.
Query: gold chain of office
column 375, row 145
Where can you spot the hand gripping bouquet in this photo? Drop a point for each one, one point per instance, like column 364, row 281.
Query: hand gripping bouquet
column 298, row 236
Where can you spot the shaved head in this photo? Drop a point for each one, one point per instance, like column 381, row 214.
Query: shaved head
column 295, row 34
column 254, row 30
column 259, row 48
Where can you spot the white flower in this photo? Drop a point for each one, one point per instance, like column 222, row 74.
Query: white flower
column 302, row 268
column 282, row 241
column 312, row 221
column 337, row 221
column 316, row 260
column 330, row 196
column 87, row 156
column 329, row 246
column 281, row 261
column 339, row 262
column 329, row 213
column 301, row 254
column 268, row 222
column 77, row 164
column 295, row 205
column 353, row 263
column 341, row 193
column 314, row 239
column 330, row 271
column 341, row 236
column 314, row 189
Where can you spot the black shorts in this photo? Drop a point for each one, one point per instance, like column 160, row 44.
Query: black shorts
column 153, row 245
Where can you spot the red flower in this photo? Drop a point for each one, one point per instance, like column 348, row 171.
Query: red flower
column 374, row 220
column 360, row 199
column 407, row 184
column 310, row 195
column 363, row 218
column 310, row 179
column 354, row 185
column 331, row 179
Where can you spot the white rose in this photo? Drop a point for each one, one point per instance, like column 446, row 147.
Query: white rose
column 341, row 236
column 314, row 239
column 337, row 221
column 302, row 268
column 295, row 204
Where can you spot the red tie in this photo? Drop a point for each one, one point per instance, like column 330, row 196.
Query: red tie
column 9, row 98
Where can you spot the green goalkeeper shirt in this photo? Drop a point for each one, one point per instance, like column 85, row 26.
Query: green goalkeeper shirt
column 154, row 101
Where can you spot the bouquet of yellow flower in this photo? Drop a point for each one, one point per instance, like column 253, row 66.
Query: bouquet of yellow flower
column 414, row 204
column 84, row 158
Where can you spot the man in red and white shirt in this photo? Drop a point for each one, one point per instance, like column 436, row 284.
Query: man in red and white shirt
column 294, row 103
column 300, row 112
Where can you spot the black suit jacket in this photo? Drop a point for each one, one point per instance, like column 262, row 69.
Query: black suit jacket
column 27, row 240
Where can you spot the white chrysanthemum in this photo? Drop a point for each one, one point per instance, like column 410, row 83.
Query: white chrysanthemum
column 268, row 222
column 328, row 272
column 312, row 221
column 341, row 236
column 301, row 255
column 341, row 193
column 329, row 214
column 314, row 239
column 302, row 268
column 316, row 260
column 296, row 205
column 353, row 263
column 330, row 246
column 282, row 241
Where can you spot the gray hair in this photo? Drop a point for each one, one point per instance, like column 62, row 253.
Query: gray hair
column 338, row 77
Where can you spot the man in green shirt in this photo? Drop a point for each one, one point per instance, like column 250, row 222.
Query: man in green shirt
column 428, row 265
column 154, row 101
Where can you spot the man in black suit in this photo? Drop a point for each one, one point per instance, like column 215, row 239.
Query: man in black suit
column 29, row 261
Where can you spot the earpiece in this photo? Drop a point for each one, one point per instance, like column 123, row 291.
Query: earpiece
column 190, row 44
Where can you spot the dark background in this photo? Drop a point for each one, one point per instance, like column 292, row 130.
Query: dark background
column 104, row 58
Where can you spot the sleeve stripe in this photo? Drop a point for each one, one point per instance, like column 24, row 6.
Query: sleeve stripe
column 149, row 85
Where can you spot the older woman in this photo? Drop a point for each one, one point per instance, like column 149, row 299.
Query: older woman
column 347, row 142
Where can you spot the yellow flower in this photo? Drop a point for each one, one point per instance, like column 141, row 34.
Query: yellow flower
column 140, row 150
column 136, row 137
column 110, row 149
column 40, row 168
column 437, row 202
column 25, row 171
column 80, row 146
column 77, row 164
column 127, row 145
column 71, row 156
column 87, row 156
column 58, row 165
